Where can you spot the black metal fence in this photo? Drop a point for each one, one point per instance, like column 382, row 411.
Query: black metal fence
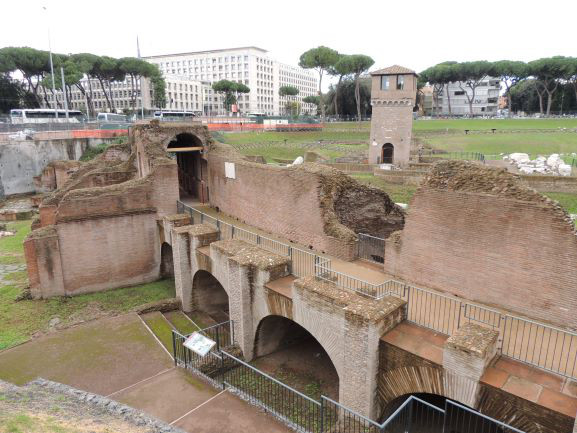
column 371, row 248
column 463, row 156
column 305, row 414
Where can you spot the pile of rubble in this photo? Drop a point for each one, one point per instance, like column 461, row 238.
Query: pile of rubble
column 540, row 165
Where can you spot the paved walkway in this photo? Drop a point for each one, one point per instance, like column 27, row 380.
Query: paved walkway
column 119, row 358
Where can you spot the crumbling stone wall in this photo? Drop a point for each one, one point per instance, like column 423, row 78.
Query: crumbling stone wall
column 310, row 204
column 402, row 373
column 478, row 233
column 99, row 230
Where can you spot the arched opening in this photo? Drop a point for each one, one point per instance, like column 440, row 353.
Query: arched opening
column 209, row 297
column 192, row 168
column 288, row 352
column 387, row 153
column 166, row 261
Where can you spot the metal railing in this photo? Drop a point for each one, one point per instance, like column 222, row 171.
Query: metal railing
column 371, row 248
column 305, row 414
column 464, row 156
column 538, row 344
column 302, row 263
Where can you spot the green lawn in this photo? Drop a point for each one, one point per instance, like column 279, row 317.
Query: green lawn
column 344, row 138
column 20, row 320
column 484, row 124
column 494, row 144
column 398, row 193
column 160, row 327
column 291, row 137
column 566, row 200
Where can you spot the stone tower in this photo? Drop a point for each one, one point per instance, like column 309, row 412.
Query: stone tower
column 393, row 95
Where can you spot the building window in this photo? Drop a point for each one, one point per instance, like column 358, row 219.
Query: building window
column 384, row 82
column 400, row 82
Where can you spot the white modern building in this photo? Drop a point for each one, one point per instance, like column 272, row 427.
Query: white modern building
column 251, row 66
column 485, row 101
column 182, row 93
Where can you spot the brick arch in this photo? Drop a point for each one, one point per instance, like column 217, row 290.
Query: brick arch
column 208, row 292
column 195, row 139
column 428, row 380
column 333, row 352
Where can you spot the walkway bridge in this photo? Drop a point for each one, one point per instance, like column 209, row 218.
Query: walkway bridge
column 387, row 339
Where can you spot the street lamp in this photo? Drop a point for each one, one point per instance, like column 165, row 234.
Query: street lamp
column 52, row 68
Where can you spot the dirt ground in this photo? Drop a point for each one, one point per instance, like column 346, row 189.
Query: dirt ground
column 304, row 366
column 119, row 358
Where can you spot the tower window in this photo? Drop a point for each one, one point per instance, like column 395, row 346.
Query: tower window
column 400, row 82
column 384, row 82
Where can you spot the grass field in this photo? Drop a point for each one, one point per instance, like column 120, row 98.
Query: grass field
column 20, row 320
column 487, row 124
column 398, row 193
column 494, row 144
column 346, row 138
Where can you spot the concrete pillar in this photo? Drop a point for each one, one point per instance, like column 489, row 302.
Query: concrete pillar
column 42, row 252
column 185, row 242
column 245, row 269
column 349, row 327
column 169, row 222
column 466, row 355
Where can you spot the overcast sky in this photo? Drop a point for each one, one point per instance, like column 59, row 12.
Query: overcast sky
column 416, row 34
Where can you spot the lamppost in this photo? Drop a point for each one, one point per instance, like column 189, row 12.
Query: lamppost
column 52, row 68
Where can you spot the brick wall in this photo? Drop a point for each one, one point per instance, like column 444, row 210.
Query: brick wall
column 519, row 255
column 550, row 183
column 279, row 200
column 103, row 253
column 391, row 124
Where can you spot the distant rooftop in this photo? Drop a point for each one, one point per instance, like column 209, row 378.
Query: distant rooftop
column 205, row 52
column 394, row 70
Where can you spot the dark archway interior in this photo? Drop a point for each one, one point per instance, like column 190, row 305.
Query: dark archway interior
column 287, row 351
column 208, row 296
column 166, row 262
column 192, row 168
column 387, row 153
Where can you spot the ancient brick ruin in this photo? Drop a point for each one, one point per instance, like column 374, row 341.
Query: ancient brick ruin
column 470, row 231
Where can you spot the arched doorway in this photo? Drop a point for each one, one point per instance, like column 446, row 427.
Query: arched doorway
column 209, row 297
column 387, row 153
column 288, row 352
column 166, row 261
column 192, row 168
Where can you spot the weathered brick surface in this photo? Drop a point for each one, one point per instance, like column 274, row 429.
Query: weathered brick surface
column 517, row 254
column 402, row 373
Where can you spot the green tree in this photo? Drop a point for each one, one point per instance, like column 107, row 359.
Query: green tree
column 358, row 64
column 431, row 75
column 510, row 72
column 548, row 72
column 136, row 69
column 470, row 75
column 230, row 90
column 31, row 63
column 11, row 94
column 571, row 70
column 313, row 99
column 341, row 69
column 85, row 64
column 322, row 59
column 288, row 91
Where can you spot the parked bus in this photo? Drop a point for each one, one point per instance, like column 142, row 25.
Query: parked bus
column 41, row 115
column 174, row 115
column 111, row 118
